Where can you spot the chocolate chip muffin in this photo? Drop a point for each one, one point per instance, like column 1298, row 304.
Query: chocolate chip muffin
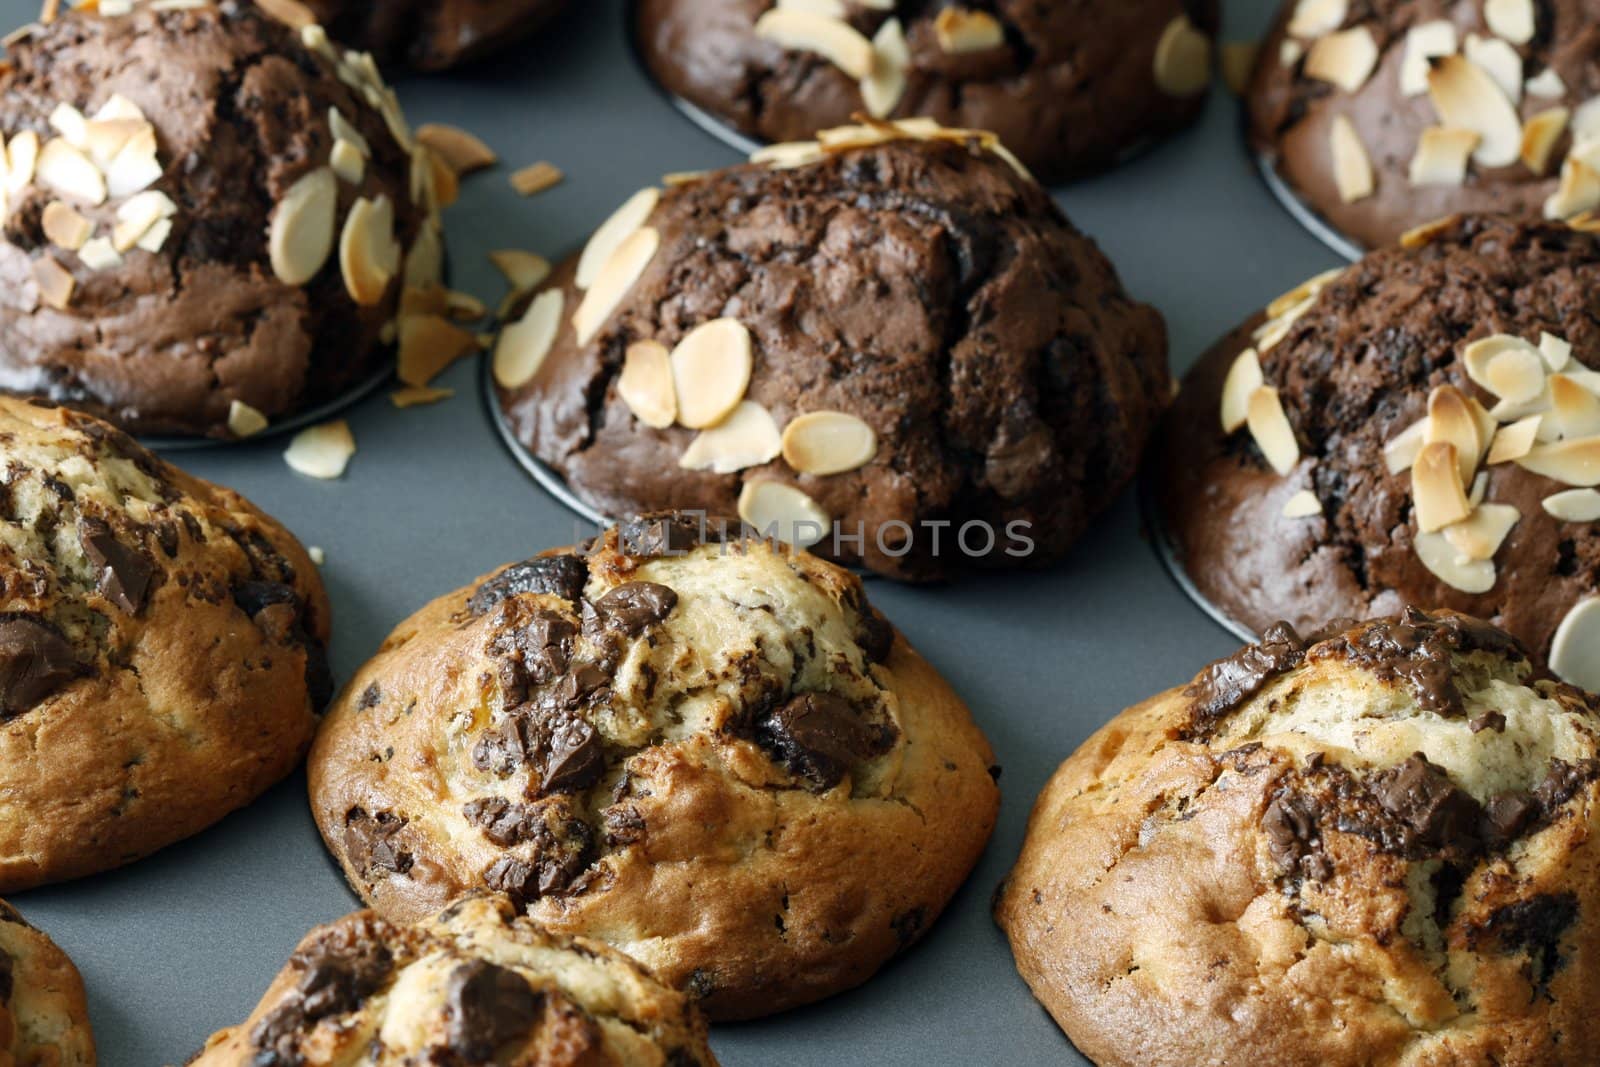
column 1387, row 114
column 712, row 754
column 161, row 649
column 474, row 985
column 44, row 1019
column 1373, row 845
column 888, row 344
column 1422, row 428
column 433, row 34
column 206, row 213
column 1069, row 86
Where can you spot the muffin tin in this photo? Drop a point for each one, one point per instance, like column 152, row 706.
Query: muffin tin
column 178, row 945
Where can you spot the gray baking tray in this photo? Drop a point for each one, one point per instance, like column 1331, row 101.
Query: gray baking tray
column 185, row 942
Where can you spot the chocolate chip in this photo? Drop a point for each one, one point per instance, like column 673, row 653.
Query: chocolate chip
column 1293, row 839
column 276, row 610
column 1439, row 814
column 345, row 966
column 561, row 845
column 7, row 981
column 562, row 576
column 1228, row 683
column 124, row 573
column 35, row 661
column 563, row 747
column 632, row 607
column 1506, row 817
column 573, row 758
column 817, row 736
column 253, row 597
column 672, row 534
column 487, row 1006
column 1489, row 720
column 369, row 842
column 1535, row 926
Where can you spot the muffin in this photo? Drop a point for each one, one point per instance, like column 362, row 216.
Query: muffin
column 433, row 34
column 1422, row 428
column 44, row 1018
column 890, row 345
column 1383, row 116
column 205, row 212
column 705, row 749
column 475, row 985
column 161, row 649
column 1070, row 87
column 1371, row 845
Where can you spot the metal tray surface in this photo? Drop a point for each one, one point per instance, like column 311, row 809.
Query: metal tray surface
column 185, row 942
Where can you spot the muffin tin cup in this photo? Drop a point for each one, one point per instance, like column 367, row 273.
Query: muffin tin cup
column 536, row 468
column 298, row 421
column 1303, row 213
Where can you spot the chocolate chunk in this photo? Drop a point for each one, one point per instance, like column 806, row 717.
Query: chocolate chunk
column 7, row 980
column 624, row 825
column 532, row 652
column 672, row 534
column 632, row 607
column 35, row 661
column 876, row 636
column 369, row 842
column 573, row 757
column 254, row 597
column 561, row 845
column 1418, row 650
column 1228, row 683
column 564, row 748
column 1506, row 817
column 125, row 573
column 563, row 576
column 1293, row 840
column 337, row 974
column 277, row 610
column 817, row 736
column 1489, row 720
column 1437, row 814
column 1536, row 926
column 487, row 1006
column 1562, row 782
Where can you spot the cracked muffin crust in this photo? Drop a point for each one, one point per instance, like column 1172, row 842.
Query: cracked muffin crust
column 161, row 649
column 44, row 1018
column 1071, row 87
column 887, row 332
column 1376, row 845
column 1386, row 114
column 1357, row 361
column 433, row 34
column 474, row 986
column 203, row 209
column 715, row 756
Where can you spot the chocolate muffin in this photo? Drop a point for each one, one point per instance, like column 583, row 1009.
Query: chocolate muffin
column 1387, row 114
column 891, row 334
column 714, row 755
column 44, row 1019
column 1374, row 845
column 206, row 212
column 1422, row 428
column 1070, row 86
column 433, row 34
column 476, row 985
column 161, row 649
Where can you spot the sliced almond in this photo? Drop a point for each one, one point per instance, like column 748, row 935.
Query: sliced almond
column 1401, row 451
column 1183, row 59
column 137, row 215
column 1574, row 410
column 291, row 13
column 833, row 9
column 536, row 178
column 748, row 437
column 1539, row 137
column 1574, row 505
column 524, row 344
column 244, row 420
column 1352, row 167
column 1303, row 505
column 64, row 227
column 1438, row 495
column 1515, row 441
column 321, row 451
column 1313, row 18
column 1450, row 567
column 788, row 155
column 69, row 122
column 1345, row 59
column 412, row 396
column 1500, row 61
column 1480, row 535
column 104, row 138
column 622, row 224
column 523, row 271
column 424, row 264
column 959, row 30
column 464, row 307
column 69, row 172
column 645, row 384
column 22, row 157
column 429, row 344
column 1557, row 352
column 344, row 130
column 1238, row 63
column 369, row 255
column 462, row 151
column 1479, row 491
column 882, row 89
column 97, row 253
column 347, row 162
column 55, row 283
column 783, row 512
column 301, row 234
column 1575, row 649
column 711, row 371
column 1500, row 362
column 1547, row 84
column 1450, row 420
column 1578, row 192
column 828, row 442
column 618, row 276
column 1467, row 98
column 1573, row 462
column 1271, row 430
column 1511, row 19
column 1442, row 155
column 804, row 31
column 1290, row 52
column 1305, row 291
column 118, row 106
column 1244, row 378
column 1424, row 41
column 135, row 166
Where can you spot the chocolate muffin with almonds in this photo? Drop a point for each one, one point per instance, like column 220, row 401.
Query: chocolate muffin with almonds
column 711, row 753
column 1069, row 86
column 475, row 985
column 161, row 649
column 1422, row 428
column 1385, row 115
column 1372, row 844
column 44, row 1019
column 207, row 217
column 433, row 34
column 890, row 335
